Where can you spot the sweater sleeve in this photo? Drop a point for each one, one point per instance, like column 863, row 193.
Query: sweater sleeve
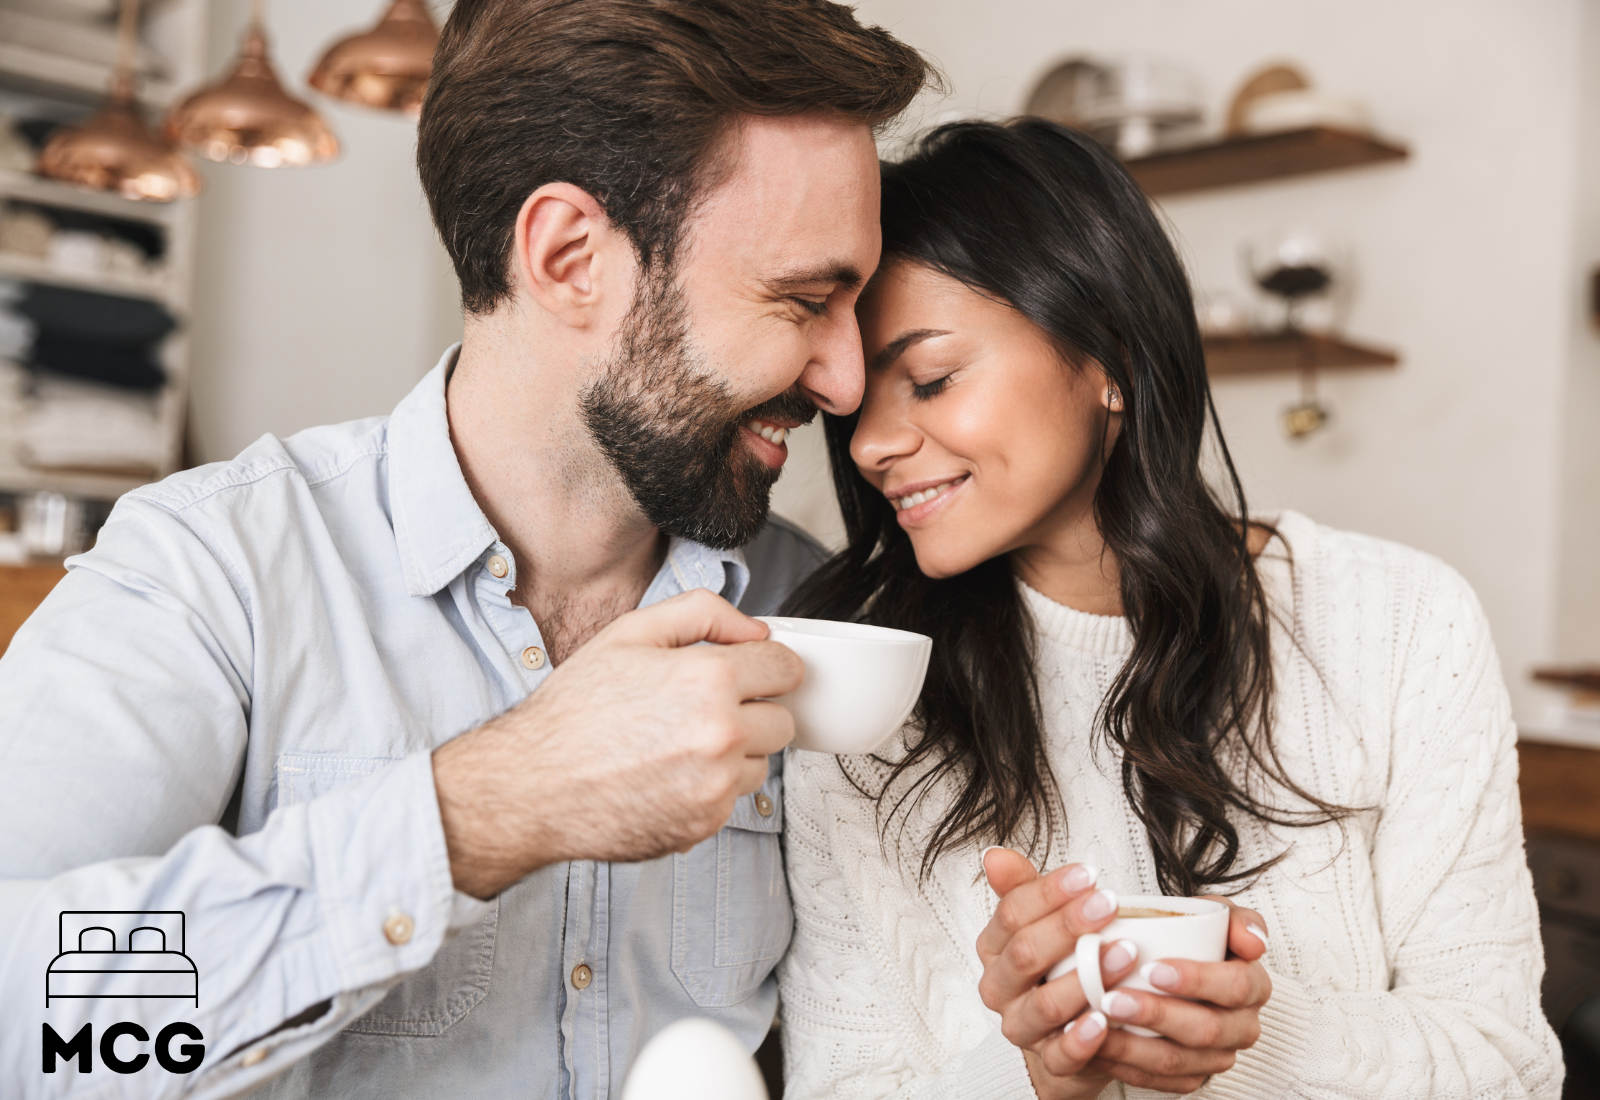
column 1461, row 1017
column 854, row 1007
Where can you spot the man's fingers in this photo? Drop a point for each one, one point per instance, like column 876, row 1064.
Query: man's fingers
column 1025, row 904
column 752, row 774
column 762, row 670
column 698, row 615
column 768, row 728
column 1068, row 1052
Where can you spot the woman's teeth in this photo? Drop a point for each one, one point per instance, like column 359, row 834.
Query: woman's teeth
column 767, row 431
column 902, row 503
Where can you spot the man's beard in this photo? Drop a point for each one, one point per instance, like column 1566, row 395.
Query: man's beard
column 670, row 427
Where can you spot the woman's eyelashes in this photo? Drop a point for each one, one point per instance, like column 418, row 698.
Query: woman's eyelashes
column 922, row 391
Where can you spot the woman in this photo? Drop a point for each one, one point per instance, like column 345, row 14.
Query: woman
column 1129, row 677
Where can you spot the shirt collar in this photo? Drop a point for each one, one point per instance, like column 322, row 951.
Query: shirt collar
column 438, row 526
column 440, row 530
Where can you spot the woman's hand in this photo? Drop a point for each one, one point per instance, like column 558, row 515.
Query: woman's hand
column 1198, row 1036
column 1037, row 924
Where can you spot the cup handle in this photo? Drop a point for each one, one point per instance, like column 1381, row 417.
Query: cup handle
column 1087, row 957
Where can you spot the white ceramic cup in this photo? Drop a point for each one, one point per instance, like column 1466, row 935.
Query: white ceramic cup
column 861, row 681
column 1199, row 933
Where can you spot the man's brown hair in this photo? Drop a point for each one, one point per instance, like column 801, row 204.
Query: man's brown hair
column 626, row 99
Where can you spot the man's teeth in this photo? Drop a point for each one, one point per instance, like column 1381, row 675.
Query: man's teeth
column 767, row 431
column 902, row 503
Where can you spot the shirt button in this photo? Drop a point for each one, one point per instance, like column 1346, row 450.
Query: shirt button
column 498, row 566
column 763, row 804
column 398, row 928
column 533, row 657
column 253, row 1057
column 582, row 976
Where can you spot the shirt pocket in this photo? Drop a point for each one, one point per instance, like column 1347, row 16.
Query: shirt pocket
column 433, row 999
column 731, row 918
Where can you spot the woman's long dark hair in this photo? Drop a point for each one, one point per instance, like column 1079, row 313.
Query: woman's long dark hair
column 1043, row 219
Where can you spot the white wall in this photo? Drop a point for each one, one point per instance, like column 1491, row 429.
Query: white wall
column 1579, row 577
column 1464, row 260
column 321, row 292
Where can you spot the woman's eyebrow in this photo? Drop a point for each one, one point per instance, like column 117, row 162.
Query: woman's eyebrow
column 896, row 347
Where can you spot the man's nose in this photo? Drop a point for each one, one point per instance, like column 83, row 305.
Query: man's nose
column 837, row 373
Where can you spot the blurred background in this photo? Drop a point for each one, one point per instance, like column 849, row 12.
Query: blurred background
column 1390, row 212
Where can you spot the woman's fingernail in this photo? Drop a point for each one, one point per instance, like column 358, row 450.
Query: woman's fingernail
column 1101, row 904
column 983, row 858
column 1258, row 932
column 1162, row 976
column 1079, row 876
column 1089, row 1026
column 1123, row 954
column 1120, row 1005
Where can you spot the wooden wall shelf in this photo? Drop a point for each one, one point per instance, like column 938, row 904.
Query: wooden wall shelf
column 1257, row 157
column 1281, row 353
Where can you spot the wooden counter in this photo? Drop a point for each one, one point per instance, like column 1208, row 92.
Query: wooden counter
column 1560, row 789
column 21, row 589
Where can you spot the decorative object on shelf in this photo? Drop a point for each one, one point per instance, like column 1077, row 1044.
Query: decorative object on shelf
column 1135, row 104
column 1280, row 97
column 1308, row 415
column 1064, row 92
column 1298, row 268
column 247, row 117
column 115, row 150
column 386, row 67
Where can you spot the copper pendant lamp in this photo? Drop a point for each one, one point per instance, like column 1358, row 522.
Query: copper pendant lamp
column 247, row 117
column 386, row 67
column 115, row 150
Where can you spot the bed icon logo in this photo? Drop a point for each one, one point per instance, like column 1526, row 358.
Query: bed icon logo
column 122, row 953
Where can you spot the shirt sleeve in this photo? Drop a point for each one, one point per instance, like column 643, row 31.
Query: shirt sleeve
column 847, row 1034
column 124, row 713
column 1462, row 1016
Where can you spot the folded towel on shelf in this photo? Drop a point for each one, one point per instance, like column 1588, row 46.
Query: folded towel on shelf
column 16, row 334
column 84, row 425
column 130, row 367
column 77, row 315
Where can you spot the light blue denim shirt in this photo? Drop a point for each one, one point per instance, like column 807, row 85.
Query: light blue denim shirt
column 227, row 709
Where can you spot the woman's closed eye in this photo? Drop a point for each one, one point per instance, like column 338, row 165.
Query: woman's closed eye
column 922, row 391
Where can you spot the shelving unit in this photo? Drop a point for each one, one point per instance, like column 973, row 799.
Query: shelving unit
column 1287, row 352
column 175, row 32
column 1254, row 158
column 28, row 269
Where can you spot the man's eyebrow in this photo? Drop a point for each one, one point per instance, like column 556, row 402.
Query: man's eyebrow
column 896, row 347
column 836, row 272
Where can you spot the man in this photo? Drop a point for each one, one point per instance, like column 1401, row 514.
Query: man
column 244, row 704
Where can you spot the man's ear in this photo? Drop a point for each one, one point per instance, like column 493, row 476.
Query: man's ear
column 564, row 252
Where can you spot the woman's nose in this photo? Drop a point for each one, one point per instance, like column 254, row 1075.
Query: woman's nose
column 882, row 437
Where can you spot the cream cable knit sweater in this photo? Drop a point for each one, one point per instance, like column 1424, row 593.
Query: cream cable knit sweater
column 1405, row 955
